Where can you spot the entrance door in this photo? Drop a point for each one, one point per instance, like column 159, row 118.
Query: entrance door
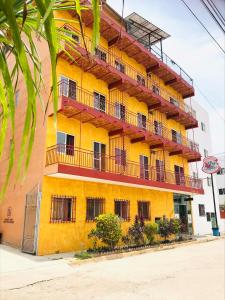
column 144, row 170
column 31, row 221
column 99, row 156
column 160, row 170
column 183, row 217
column 179, row 175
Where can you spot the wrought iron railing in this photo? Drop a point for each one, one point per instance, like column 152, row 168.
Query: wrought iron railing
column 111, row 108
column 68, row 155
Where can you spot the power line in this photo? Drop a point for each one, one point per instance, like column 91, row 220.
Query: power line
column 203, row 25
column 215, row 9
column 210, row 102
column 213, row 15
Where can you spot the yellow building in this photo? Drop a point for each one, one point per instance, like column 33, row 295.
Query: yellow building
column 120, row 144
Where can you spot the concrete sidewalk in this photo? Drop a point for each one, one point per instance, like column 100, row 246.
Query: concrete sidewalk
column 19, row 269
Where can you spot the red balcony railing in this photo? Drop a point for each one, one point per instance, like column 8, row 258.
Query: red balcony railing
column 155, row 130
column 181, row 111
column 89, row 160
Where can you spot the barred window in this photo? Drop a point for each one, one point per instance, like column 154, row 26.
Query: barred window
column 208, row 217
column 122, row 209
column 201, row 208
column 120, row 67
column 95, row 207
column 144, row 210
column 100, row 54
column 62, row 209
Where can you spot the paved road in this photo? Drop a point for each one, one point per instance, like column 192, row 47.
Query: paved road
column 192, row 272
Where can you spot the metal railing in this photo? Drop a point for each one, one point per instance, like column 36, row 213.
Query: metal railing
column 112, row 59
column 68, row 155
column 87, row 98
column 171, row 63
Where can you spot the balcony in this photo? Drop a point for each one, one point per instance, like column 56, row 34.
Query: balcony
column 107, row 66
column 64, row 161
column 151, row 59
column 81, row 104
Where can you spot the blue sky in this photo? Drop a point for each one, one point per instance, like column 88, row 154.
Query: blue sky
column 192, row 48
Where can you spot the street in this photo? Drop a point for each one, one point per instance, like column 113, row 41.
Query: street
column 190, row 272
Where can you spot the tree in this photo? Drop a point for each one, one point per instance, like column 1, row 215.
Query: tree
column 20, row 21
column 108, row 230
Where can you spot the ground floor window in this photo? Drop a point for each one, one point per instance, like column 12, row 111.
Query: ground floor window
column 62, row 209
column 144, row 210
column 208, row 217
column 122, row 209
column 95, row 207
column 201, row 208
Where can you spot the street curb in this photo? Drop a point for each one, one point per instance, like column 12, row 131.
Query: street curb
column 76, row 261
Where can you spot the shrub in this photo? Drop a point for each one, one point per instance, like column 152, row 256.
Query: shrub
column 175, row 226
column 135, row 235
column 82, row 255
column 108, row 230
column 150, row 230
column 164, row 228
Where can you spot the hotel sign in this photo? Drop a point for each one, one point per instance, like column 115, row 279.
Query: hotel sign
column 210, row 165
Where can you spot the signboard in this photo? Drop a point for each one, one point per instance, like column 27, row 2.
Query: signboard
column 210, row 165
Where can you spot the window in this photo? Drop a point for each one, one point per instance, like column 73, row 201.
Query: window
column 120, row 111
column 99, row 156
column 62, row 209
column 141, row 80
column 208, row 217
column 155, row 89
column 158, row 128
column 179, row 175
column 65, row 143
column 141, row 120
column 120, row 67
column 143, row 210
column 176, row 136
column 120, row 157
column 222, row 191
column 73, row 35
column 67, row 87
column 212, row 215
column 16, row 98
column 221, row 171
column 157, row 220
column 144, row 172
column 201, row 208
column 206, row 153
column 95, row 207
column 122, row 209
column 99, row 102
column 203, row 126
column 174, row 102
column 195, row 175
column 100, row 54
column 160, row 170
column 209, row 181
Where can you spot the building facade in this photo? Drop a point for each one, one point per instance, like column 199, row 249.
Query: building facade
column 203, row 211
column 220, row 182
column 120, row 145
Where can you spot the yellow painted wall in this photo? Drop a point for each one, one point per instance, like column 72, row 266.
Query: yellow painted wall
column 62, row 237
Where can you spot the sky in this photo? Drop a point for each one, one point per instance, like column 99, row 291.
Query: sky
column 192, row 48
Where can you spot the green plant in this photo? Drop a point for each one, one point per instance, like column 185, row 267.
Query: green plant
column 175, row 226
column 82, row 255
column 164, row 228
column 150, row 230
column 108, row 230
column 135, row 234
column 21, row 22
